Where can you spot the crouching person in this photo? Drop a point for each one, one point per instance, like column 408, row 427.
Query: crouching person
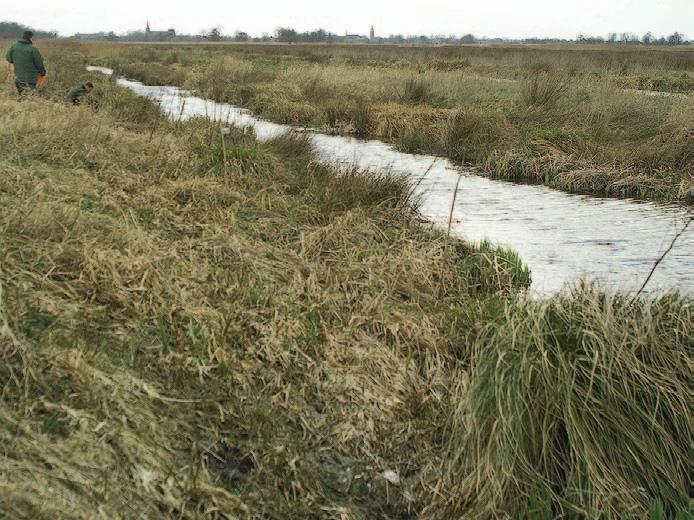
column 78, row 94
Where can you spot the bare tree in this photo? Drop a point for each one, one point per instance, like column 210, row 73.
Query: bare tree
column 627, row 38
column 675, row 39
column 286, row 34
column 215, row 34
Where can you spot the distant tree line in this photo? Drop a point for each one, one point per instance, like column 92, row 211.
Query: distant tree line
column 15, row 30
column 290, row 35
column 634, row 39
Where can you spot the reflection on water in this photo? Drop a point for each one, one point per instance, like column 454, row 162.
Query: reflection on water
column 562, row 237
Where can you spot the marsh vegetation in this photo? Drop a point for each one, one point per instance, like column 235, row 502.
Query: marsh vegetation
column 194, row 331
column 574, row 118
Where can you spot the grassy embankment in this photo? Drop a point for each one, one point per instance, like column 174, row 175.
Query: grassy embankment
column 185, row 337
column 557, row 116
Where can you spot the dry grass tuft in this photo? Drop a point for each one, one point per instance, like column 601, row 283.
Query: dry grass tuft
column 545, row 89
column 575, row 406
column 416, row 90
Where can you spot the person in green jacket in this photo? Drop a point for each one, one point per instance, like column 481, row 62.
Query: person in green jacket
column 27, row 62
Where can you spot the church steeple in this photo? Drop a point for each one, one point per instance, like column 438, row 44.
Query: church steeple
column 147, row 29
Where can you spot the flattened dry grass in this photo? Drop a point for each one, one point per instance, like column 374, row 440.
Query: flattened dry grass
column 184, row 337
column 264, row 337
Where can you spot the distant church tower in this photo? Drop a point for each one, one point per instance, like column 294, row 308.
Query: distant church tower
column 147, row 29
column 372, row 34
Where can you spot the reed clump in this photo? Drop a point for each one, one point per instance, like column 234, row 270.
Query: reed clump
column 416, row 90
column 362, row 119
column 544, row 90
column 468, row 135
column 561, row 398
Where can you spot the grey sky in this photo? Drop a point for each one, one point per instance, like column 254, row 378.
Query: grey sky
column 510, row 18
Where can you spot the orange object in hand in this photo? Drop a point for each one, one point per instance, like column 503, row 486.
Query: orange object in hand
column 41, row 80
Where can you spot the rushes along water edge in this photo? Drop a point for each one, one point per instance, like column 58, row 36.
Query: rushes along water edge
column 558, row 117
column 190, row 337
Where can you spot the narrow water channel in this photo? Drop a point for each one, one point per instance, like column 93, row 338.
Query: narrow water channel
column 562, row 237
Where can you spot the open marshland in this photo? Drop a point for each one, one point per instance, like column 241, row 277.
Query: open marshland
column 197, row 327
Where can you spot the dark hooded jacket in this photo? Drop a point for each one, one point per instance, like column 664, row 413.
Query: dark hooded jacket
column 27, row 61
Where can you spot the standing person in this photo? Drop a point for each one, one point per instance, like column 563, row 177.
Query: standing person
column 27, row 62
column 77, row 93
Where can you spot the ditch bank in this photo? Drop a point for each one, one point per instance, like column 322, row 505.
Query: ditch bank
column 562, row 237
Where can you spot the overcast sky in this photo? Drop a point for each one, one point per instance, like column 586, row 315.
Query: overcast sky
column 509, row 18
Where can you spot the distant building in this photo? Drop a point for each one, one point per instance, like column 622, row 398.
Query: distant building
column 159, row 36
column 355, row 38
column 88, row 36
column 372, row 34
column 96, row 36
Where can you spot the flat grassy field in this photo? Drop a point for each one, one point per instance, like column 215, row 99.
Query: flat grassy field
column 607, row 120
column 191, row 332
